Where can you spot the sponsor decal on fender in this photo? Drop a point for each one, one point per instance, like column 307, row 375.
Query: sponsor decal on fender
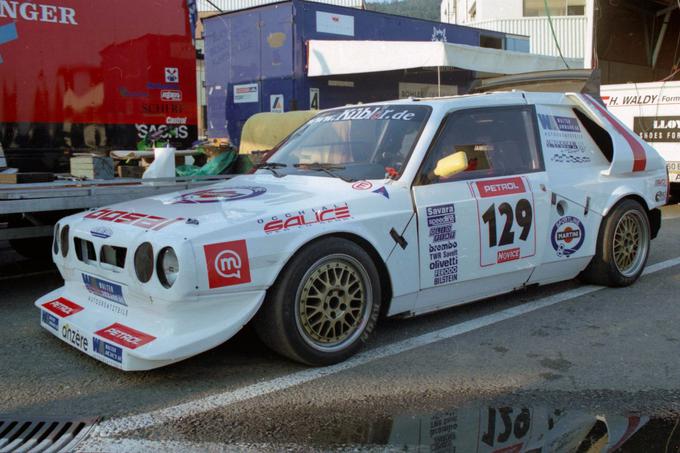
column 306, row 218
column 102, row 288
column 101, row 232
column 227, row 263
column 107, row 350
column 125, row 336
column 62, row 307
column 498, row 187
column 382, row 191
column 362, row 185
column 149, row 222
column 567, row 236
column 50, row 320
column 219, row 195
column 73, row 336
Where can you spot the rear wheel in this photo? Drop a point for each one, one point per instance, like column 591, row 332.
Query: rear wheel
column 622, row 246
column 324, row 305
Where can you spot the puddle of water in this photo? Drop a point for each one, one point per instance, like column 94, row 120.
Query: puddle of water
column 495, row 430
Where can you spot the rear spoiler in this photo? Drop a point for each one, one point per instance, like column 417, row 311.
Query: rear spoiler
column 584, row 81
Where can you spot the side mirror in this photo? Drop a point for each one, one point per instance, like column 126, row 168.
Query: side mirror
column 451, row 165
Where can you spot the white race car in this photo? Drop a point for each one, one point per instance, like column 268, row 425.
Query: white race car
column 396, row 208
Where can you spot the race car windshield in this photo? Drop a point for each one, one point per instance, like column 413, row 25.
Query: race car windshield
column 365, row 142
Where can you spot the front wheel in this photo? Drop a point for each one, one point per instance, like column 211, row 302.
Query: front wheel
column 622, row 246
column 324, row 304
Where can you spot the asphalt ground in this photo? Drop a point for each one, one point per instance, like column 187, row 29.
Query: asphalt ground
column 597, row 351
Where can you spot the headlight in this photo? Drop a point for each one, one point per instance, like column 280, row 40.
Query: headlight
column 168, row 267
column 55, row 239
column 63, row 240
column 144, row 262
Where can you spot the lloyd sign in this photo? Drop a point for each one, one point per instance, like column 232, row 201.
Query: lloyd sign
column 657, row 128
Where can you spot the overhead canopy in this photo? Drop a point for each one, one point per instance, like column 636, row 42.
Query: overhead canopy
column 354, row 57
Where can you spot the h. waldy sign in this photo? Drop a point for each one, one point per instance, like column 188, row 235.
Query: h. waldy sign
column 657, row 128
column 37, row 12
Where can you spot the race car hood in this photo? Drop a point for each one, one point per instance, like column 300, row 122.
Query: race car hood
column 242, row 199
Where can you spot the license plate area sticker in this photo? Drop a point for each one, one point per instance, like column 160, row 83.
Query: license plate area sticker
column 106, row 290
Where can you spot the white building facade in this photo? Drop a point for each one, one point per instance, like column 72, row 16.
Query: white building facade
column 570, row 20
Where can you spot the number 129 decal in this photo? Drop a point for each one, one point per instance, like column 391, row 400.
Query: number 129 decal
column 507, row 228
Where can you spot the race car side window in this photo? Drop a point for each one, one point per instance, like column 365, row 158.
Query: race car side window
column 599, row 135
column 497, row 141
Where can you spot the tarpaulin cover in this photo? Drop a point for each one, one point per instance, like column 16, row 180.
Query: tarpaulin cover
column 354, row 57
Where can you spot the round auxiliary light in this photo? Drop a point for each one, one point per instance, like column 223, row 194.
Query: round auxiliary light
column 167, row 267
column 63, row 240
column 144, row 262
column 55, row 240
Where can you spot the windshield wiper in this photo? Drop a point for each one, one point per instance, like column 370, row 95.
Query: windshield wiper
column 272, row 166
column 329, row 169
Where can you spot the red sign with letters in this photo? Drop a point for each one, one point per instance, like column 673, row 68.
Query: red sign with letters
column 498, row 187
column 62, row 307
column 227, row 263
column 125, row 336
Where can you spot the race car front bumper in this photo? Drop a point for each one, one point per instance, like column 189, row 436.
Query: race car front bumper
column 137, row 338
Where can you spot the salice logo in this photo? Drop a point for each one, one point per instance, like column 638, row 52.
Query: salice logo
column 228, row 264
column 7, row 33
column 171, row 75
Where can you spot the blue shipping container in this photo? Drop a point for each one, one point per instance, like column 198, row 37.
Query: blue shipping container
column 256, row 59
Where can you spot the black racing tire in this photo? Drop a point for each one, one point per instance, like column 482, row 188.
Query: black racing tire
column 622, row 246
column 324, row 305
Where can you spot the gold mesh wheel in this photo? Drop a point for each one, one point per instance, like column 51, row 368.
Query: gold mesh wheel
column 333, row 302
column 631, row 239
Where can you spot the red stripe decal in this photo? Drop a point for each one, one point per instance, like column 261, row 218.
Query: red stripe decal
column 639, row 155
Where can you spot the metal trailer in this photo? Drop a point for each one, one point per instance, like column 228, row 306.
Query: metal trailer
column 256, row 59
column 28, row 212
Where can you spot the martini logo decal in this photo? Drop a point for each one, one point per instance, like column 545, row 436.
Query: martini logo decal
column 7, row 33
column 567, row 236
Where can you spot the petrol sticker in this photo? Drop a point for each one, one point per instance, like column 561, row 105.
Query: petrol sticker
column 108, row 350
column 102, row 288
column 125, row 336
column 227, row 264
column 507, row 230
column 50, row 320
column 442, row 247
column 219, row 195
column 62, row 307
column 567, row 236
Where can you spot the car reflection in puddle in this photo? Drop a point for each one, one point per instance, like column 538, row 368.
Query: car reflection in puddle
column 504, row 430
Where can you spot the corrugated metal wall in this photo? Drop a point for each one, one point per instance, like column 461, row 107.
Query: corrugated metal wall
column 232, row 5
column 570, row 32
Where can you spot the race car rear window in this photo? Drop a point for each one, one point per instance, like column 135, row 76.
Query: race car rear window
column 599, row 135
column 496, row 141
